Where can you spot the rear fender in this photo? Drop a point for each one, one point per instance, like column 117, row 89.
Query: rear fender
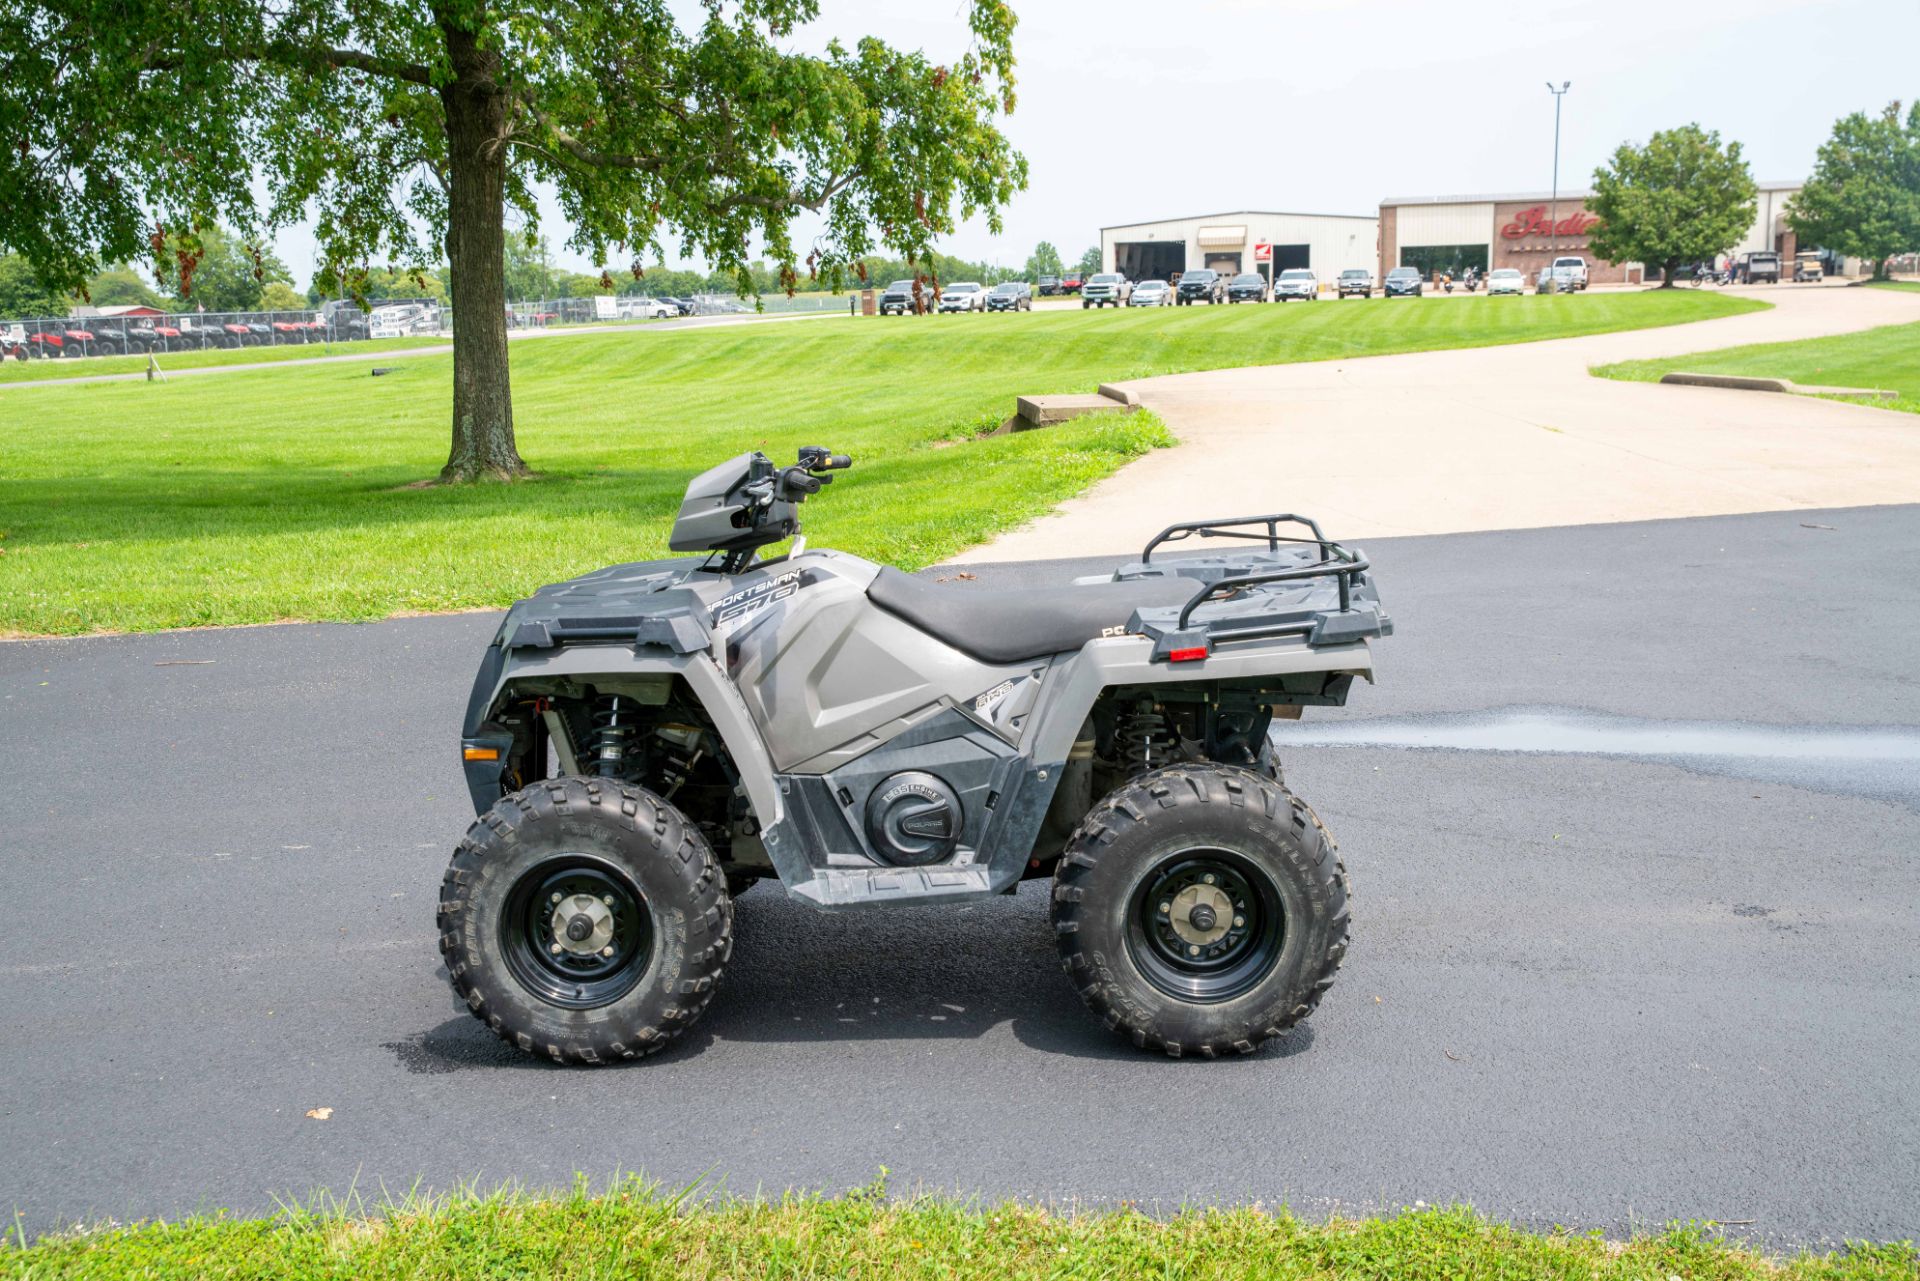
column 1068, row 694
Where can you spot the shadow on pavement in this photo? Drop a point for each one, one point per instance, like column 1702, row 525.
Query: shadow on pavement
column 800, row 976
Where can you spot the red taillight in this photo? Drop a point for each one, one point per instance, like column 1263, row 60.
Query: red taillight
column 1192, row 654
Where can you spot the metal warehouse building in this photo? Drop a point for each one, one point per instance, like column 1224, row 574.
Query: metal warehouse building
column 1527, row 230
column 1231, row 242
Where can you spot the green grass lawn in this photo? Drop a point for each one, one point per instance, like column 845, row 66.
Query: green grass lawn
column 636, row 1232
column 282, row 494
column 18, row 371
column 1887, row 358
column 1909, row 285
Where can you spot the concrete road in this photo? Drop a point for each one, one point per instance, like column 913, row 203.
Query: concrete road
column 1627, row 972
column 1508, row 437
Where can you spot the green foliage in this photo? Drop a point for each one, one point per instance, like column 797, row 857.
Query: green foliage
column 278, row 295
column 228, row 275
column 1090, row 261
column 21, row 293
column 1863, row 199
column 1886, row 358
column 121, row 287
column 1045, row 262
column 643, row 1230
column 719, row 134
column 1681, row 198
column 163, row 527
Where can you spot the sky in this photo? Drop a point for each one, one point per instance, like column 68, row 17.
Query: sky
column 1132, row 110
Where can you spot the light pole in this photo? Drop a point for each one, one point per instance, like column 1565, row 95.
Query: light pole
column 1553, row 203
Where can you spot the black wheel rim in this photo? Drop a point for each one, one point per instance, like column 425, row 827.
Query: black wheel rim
column 576, row 932
column 1205, row 925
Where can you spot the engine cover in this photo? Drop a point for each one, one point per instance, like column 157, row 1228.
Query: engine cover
column 914, row 818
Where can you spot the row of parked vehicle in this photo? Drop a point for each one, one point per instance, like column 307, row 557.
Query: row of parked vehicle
column 335, row 321
column 1204, row 285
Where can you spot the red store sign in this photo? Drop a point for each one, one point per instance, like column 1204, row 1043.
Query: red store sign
column 1534, row 222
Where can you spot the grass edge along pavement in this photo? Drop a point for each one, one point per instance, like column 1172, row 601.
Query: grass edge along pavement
column 640, row 1229
column 1886, row 357
column 290, row 493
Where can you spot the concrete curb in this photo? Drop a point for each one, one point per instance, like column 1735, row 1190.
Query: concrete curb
column 1742, row 382
column 1044, row 411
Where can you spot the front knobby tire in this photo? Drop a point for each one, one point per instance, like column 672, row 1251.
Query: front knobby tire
column 585, row 920
column 1228, row 839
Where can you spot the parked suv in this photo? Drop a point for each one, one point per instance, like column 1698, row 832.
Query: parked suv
column 898, row 299
column 1296, row 283
column 1015, row 295
column 1402, row 282
column 1108, row 289
column 1201, row 283
column 1248, row 286
column 963, row 295
column 1355, row 280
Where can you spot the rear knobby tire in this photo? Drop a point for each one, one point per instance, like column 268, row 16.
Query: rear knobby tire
column 1145, row 832
column 671, row 926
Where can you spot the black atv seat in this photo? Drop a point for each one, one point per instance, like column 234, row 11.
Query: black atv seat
column 1011, row 626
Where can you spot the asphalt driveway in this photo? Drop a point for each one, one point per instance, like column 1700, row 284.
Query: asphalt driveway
column 1608, row 970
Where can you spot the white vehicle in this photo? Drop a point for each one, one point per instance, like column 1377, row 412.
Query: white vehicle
column 1108, row 289
column 399, row 320
column 1151, row 293
column 1570, row 269
column 1296, row 283
column 964, row 295
column 1506, row 280
column 646, row 309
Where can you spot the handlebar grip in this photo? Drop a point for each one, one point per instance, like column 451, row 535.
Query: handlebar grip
column 796, row 481
column 837, row 462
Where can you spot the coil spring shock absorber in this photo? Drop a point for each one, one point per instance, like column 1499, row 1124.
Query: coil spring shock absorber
column 1145, row 741
column 612, row 727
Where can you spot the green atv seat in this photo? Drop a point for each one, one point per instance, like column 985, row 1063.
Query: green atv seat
column 1013, row 625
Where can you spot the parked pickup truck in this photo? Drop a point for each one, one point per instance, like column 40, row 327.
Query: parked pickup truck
column 1570, row 271
column 1107, row 289
column 1202, row 283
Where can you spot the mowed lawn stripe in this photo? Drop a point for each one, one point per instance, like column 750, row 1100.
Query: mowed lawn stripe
column 1887, row 358
column 284, row 494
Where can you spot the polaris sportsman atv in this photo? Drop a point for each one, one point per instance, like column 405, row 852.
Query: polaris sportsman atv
column 646, row 741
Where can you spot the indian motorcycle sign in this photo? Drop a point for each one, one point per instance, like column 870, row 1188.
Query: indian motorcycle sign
column 1534, row 222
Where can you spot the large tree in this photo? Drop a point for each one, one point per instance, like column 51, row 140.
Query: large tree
column 1863, row 199
column 1045, row 261
column 127, row 124
column 1682, row 198
column 22, row 296
column 1090, row 261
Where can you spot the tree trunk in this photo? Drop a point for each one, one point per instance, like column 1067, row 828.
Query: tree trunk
column 1668, row 270
column 476, row 115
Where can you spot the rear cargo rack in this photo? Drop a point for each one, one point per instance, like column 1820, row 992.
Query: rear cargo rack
column 1351, row 611
column 1226, row 529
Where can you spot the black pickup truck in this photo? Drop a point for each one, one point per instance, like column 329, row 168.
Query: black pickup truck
column 1201, row 283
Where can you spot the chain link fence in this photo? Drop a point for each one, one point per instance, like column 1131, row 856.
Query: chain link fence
column 51, row 338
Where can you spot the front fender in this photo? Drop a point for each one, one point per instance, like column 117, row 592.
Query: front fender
column 708, row 684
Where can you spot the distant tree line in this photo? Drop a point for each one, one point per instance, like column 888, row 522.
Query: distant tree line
column 231, row 278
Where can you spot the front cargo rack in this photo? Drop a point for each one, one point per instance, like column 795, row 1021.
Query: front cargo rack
column 1329, row 599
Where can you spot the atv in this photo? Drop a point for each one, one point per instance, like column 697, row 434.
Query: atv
column 644, row 742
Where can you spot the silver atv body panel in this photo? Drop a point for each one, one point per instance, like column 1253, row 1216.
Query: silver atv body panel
column 880, row 761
